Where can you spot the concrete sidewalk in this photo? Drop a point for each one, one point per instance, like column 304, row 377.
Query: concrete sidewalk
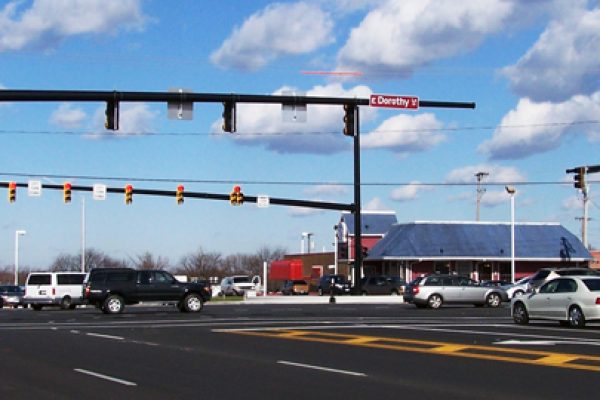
column 322, row 299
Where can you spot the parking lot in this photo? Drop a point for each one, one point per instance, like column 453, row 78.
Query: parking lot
column 320, row 350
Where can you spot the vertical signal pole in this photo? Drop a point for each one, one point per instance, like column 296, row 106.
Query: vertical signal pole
column 358, row 258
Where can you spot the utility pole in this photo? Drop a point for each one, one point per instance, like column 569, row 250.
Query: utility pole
column 580, row 182
column 480, row 191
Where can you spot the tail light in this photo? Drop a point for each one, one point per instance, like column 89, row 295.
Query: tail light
column 415, row 290
column 86, row 293
column 53, row 291
column 598, row 300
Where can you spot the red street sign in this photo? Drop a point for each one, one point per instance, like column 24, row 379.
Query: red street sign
column 393, row 101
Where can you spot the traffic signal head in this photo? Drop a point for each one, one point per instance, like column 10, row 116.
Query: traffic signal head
column 229, row 111
column 112, row 115
column 67, row 192
column 349, row 120
column 12, row 192
column 179, row 194
column 128, row 194
column 236, row 197
column 579, row 179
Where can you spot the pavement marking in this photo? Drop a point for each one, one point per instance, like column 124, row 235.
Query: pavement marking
column 319, row 368
column 515, row 342
column 465, row 350
column 106, row 377
column 105, row 336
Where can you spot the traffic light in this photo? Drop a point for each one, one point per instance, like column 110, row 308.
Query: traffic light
column 112, row 115
column 179, row 194
column 579, row 178
column 12, row 192
column 229, row 111
column 349, row 121
column 128, row 194
column 236, row 197
column 67, row 192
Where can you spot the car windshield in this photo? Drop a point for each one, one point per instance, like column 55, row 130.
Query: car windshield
column 241, row 279
column 583, row 271
column 416, row 281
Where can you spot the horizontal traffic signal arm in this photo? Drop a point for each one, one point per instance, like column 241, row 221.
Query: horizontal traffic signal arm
column 201, row 195
column 107, row 96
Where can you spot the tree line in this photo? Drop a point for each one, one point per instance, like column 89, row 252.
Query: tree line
column 199, row 264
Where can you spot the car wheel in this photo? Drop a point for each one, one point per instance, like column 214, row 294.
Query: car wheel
column 493, row 300
column 435, row 301
column 36, row 307
column 113, row 304
column 576, row 317
column 65, row 303
column 394, row 293
column 192, row 303
column 320, row 290
column 520, row 315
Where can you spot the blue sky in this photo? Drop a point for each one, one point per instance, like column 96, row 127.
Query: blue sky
column 531, row 67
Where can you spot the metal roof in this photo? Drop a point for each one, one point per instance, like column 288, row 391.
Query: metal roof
column 478, row 240
column 373, row 222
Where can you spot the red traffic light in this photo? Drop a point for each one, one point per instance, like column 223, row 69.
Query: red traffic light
column 237, row 189
column 180, row 188
column 67, row 186
column 12, row 185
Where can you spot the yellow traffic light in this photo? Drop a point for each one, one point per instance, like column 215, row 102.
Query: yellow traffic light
column 67, row 192
column 128, row 194
column 12, row 192
column 179, row 194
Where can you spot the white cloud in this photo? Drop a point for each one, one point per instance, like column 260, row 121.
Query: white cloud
column 279, row 29
column 134, row 119
column 563, row 62
column 572, row 203
column 327, row 190
column 532, row 127
column 47, row 22
column 375, row 204
column 497, row 173
column 261, row 124
column 68, row 117
column 405, row 133
column 399, row 36
column 408, row 192
column 301, row 212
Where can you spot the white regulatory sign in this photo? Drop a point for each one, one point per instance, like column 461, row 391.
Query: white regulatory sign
column 99, row 192
column 34, row 188
column 262, row 201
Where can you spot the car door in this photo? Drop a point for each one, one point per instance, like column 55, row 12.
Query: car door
column 561, row 298
column 167, row 287
column 539, row 303
column 469, row 290
column 451, row 291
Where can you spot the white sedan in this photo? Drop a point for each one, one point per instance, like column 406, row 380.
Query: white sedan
column 571, row 300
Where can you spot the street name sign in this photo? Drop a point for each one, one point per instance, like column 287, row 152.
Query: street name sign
column 394, row 101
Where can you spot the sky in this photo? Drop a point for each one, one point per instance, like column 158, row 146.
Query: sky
column 531, row 67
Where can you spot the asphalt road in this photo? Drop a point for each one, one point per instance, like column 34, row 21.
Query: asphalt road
column 330, row 351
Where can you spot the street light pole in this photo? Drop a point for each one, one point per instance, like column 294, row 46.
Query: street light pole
column 512, row 191
column 17, row 234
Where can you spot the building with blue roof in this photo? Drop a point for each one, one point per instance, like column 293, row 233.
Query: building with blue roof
column 481, row 250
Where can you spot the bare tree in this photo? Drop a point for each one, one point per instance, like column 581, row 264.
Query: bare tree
column 200, row 264
column 147, row 261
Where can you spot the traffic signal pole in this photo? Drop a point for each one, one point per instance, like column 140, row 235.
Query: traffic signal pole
column 112, row 99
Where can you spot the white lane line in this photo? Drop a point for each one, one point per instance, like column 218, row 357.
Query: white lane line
column 105, row 336
column 337, row 371
column 108, row 378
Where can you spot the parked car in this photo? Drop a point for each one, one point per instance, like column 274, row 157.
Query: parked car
column 237, row 285
column 333, row 283
column 434, row 290
column 382, row 284
column 494, row 283
column 62, row 289
column 110, row 289
column 570, row 300
column 296, row 286
column 518, row 288
column 11, row 295
column 546, row 274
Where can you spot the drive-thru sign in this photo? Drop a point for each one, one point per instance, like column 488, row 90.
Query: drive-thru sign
column 393, row 101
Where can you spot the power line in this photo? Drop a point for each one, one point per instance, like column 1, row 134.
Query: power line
column 275, row 183
column 293, row 133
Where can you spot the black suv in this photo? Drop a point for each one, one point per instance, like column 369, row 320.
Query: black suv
column 110, row 289
column 382, row 284
column 336, row 283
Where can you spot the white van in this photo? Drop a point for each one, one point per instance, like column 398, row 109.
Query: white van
column 64, row 289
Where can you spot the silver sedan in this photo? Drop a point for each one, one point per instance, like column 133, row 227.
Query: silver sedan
column 572, row 301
